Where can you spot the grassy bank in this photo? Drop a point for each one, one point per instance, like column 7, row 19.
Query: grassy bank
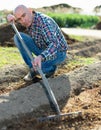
column 11, row 56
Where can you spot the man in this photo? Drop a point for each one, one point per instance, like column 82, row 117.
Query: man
column 45, row 40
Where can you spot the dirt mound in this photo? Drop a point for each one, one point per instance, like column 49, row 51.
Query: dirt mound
column 87, row 48
column 7, row 33
column 98, row 26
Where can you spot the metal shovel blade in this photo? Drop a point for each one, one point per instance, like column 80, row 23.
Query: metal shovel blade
column 59, row 117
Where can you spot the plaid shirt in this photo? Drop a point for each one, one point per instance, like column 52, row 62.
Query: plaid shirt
column 47, row 35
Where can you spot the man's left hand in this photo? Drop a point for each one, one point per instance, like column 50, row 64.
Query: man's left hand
column 37, row 62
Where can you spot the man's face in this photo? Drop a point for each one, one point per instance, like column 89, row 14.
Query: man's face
column 24, row 17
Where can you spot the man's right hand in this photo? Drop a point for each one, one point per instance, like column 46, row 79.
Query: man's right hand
column 10, row 18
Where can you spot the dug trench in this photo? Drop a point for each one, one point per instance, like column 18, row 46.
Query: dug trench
column 83, row 93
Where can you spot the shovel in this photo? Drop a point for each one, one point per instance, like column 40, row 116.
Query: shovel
column 51, row 97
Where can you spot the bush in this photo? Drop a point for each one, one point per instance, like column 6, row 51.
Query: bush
column 75, row 20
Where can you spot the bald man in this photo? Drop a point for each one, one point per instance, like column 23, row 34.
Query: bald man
column 44, row 39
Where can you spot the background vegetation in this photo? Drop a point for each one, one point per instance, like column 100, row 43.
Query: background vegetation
column 74, row 20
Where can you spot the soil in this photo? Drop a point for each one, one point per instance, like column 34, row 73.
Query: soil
column 88, row 100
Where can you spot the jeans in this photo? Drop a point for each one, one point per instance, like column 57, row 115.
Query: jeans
column 47, row 66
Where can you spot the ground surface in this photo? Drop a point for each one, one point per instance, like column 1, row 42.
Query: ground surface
column 88, row 100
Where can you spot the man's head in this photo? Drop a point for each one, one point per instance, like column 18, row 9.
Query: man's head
column 23, row 15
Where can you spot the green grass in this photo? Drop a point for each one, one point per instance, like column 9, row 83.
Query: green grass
column 9, row 56
column 78, row 61
column 78, row 38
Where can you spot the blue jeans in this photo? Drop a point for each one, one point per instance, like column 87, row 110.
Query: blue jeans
column 47, row 66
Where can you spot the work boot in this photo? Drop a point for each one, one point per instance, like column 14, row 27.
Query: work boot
column 30, row 76
column 49, row 74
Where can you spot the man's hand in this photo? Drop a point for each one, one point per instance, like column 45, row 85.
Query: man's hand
column 37, row 62
column 10, row 18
